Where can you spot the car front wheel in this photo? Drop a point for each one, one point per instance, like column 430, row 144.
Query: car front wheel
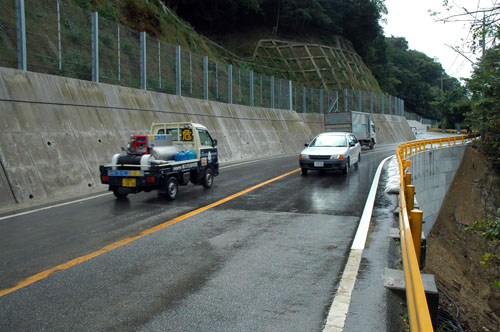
column 304, row 171
column 208, row 179
column 346, row 167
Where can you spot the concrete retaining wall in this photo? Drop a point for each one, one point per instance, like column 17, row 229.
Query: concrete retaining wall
column 56, row 131
column 392, row 129
column 432, row 173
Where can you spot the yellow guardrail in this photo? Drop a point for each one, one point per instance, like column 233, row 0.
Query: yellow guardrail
column 410, row 228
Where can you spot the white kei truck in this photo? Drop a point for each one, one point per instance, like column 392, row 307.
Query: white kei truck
column 172, row 154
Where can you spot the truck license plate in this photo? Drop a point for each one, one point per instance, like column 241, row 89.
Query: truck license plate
column 128, row 182
column 318, row 164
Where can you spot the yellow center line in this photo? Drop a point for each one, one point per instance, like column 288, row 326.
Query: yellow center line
column 81, row 259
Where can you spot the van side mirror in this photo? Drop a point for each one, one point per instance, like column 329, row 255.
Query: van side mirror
column 307, row 144
column 214, row 142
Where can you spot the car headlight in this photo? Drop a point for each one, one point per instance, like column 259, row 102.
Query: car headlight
column 337, row 156
column 303, row 156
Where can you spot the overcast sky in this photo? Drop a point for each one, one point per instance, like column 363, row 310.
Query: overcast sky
column 411, row 19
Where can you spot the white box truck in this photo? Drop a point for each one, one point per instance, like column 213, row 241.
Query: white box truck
column 358, row 123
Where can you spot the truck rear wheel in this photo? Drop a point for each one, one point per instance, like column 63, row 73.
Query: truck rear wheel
column 371, row 145
column 172, row 187
column 118, row 194
column 208, row 178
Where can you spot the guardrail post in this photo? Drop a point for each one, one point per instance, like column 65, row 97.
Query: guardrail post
column 290, row 96
column 408, row 178
column 21, row 35
column 410, row 197
column 416, row 231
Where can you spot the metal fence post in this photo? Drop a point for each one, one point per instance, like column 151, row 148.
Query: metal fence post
column 321, row 101
column 312, row 101
column 190, row 74
column 159, row 63
column 360, row 107
column 216, row 81
column 95, row 47
column 118, row 51
column 59, row 52
column 230, row 84
column 371, row 102
column 295, row 97
column 261, row 97
column 239, row 85
column 346, row 101
column 205, row 77
column 390, row 104
column 271, row 79
column 279, row 93
column 21, row 35
column 178, row 90
column 143, row 60
column 304, row 97
column 382, row 96
column 290, row 97
column 251, row 88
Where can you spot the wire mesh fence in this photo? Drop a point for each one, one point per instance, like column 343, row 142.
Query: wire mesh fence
column 65, row 40
column 8, row 34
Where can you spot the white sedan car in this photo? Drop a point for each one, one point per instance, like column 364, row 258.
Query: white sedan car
column 329, row 151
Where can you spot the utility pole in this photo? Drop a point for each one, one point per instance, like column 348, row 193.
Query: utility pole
column 483, row 46
column 443, row 129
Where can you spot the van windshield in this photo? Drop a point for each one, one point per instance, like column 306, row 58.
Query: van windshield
column 329, row 141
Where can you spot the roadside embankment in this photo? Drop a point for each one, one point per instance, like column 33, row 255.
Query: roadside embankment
column 56, row 131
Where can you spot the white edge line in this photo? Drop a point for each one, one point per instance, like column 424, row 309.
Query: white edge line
column 340, row 305
column 52, row 206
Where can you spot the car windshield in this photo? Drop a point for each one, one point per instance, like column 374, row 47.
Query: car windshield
column 329, row 141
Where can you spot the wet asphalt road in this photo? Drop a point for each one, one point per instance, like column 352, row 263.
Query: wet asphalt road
column 268, row 260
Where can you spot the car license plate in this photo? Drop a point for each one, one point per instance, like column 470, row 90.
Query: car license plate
column 128, row 182
column 318, row 164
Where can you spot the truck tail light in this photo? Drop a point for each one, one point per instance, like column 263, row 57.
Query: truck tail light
column 151, row 179
column 105, row 178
